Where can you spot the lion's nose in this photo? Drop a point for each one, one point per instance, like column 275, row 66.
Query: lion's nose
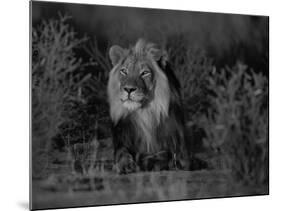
column 130, row 89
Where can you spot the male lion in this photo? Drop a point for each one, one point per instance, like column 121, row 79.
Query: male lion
column 146, row 110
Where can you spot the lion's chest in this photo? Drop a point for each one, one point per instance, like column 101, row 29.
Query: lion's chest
column 145, row 125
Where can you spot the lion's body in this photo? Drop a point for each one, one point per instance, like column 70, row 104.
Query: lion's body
column 146, row 110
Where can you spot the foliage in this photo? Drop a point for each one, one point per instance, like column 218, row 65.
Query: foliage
column 192, row 68
column 236, row 124
column 54, row 82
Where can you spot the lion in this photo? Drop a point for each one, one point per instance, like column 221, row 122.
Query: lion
column 145, row 109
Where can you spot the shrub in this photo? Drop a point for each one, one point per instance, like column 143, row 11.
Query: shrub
column 192, row 68
column 236, row 124
column 53, row 83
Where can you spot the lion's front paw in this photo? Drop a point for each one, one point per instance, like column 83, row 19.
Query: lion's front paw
column 126, row 164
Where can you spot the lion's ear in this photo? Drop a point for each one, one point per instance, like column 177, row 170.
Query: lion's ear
column 116, row 53
column 164, row 58
column 159, row 56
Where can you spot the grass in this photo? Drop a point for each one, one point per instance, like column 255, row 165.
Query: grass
column 104, row 188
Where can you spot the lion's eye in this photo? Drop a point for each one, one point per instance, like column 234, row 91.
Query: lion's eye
column 145, row 73
column 123, row 71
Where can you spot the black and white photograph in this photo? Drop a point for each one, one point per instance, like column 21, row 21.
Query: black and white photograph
column 135, row 105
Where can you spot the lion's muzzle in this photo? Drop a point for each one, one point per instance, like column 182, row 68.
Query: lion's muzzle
column 131, row 98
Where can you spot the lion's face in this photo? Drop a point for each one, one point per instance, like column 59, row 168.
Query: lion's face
column 136, row 78
column 137, row 83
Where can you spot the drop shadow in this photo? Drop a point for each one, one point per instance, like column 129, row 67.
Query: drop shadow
column 24, row 205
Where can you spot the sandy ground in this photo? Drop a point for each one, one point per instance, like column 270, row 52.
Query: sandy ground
column 104, row 188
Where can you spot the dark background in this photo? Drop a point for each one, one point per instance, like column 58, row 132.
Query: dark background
column 224, row 37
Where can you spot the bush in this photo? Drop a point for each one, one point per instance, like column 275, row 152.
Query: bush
column 54, row 82
column 192, row 68
column 236, row 124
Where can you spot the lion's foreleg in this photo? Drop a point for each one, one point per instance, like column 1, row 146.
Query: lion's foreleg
column 124, row 161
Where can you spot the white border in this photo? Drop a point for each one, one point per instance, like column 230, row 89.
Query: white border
column 14, row 116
